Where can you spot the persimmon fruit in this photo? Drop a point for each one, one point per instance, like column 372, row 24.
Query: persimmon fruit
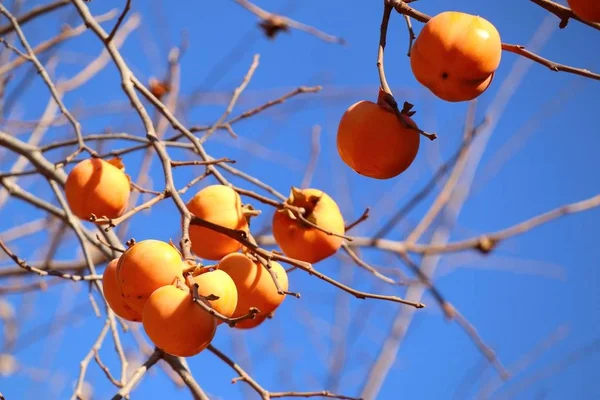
column 99, row 187
column 145, row 267
column 456, row 55
column 176, row 324
column 588, row 10
column 113, row 295
column 218, row 283
column 255, row 285
column 222, row 206
column 374, row 142
column 304, row 242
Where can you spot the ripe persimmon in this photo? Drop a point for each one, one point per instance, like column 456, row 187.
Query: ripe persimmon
column 220, row 284
column 99, row 187
column 113, row 295
column 373, row 142
column 176, row 324
column 588, row 10
column 301, row 241
column 145, row 267
column 255, row 285
column 222, row 206
column 456, row 55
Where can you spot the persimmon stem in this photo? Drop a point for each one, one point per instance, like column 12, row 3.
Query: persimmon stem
column 387, row 11
column 385, row 97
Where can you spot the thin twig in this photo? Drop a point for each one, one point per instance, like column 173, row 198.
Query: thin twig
column 83, row 365
column 138, row 375
column 564, row 13
column 553, row 66
column 119, row 20
column 34, row 13
column 411, row 34
column 179, row 365
column 23, row 264
column 46, row 78
column 234, row 98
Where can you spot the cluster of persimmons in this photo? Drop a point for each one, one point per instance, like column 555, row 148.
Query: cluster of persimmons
column 455, row 56
column 151, row 282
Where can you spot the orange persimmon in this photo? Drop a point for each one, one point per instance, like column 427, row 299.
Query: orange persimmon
column 301, row 241
column 98, row 187
column 222, row 206
column 373, row 142
column 176, row 324
column 145, row 267
column 456, row 55
column 113, row 295
column 588, row 10
column 255, row 285
column 220, row 284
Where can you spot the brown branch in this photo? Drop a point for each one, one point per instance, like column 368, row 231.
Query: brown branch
column 23, row 264
column 271, row 103
column 262, row 392
column 116, row 221
column 364, row 216
column 486, row 350
column 385, row 20
column 553, row 66
column 323, row 393
column 234, row 98
column 242, row 237
column 411, row 34
column 105, row 369
column 198, row 162
column 138, row 375
column 114, row 30
column 179, row 365
column 129, row 84
column 346, row 247
column 486, row 243
column 34, row 13
column 243, row 376
column 66, row 33
column 83, row 365
column 46, row 78
column 564, row 13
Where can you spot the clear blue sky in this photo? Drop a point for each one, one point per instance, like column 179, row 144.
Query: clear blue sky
column 542, row 154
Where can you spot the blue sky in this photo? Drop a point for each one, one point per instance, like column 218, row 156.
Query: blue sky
column 541, row 154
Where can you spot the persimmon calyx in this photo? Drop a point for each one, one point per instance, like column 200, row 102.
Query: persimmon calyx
column 117, row 162
column 387, row 101
column 300, row 200
column 248, row 211
column 180, row 285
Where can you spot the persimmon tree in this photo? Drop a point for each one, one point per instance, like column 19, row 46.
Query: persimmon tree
column 164, row 298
